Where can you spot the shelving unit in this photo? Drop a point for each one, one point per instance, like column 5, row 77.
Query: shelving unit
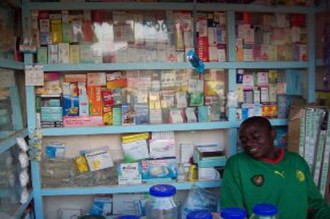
column 17, row 129
column 8, row 137
column 231, row 65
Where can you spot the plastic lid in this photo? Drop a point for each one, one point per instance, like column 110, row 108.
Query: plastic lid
column 162, row 190
column 233, row 213
column 199, row 214
column 128, row 217
column 265, row 209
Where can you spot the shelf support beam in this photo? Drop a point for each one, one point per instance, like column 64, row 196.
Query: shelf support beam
column 311, row 71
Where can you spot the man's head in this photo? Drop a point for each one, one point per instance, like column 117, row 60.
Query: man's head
column 257, row 135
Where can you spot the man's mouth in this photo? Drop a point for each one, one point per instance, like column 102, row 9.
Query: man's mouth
column 252, row 150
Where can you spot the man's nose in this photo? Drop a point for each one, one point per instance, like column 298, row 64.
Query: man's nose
column 248, row 143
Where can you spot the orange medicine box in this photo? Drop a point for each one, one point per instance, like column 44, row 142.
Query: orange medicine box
column 95, row 100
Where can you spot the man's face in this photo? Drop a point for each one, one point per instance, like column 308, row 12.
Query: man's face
column 257, row 140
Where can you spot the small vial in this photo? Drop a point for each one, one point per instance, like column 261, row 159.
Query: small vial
column 180, row 173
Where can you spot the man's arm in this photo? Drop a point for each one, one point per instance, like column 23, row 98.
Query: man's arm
column 230, row 191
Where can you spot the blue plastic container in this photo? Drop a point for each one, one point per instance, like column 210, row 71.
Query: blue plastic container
column 233, row 213
column 199, row 214
column 128, row 217
column 265, row 211
column 162, row 190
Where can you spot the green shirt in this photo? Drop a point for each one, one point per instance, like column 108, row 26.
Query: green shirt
column 285, row 182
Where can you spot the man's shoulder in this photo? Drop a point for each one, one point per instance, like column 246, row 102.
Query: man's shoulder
column 292, row 154
column 294, row 157
column 238, row 157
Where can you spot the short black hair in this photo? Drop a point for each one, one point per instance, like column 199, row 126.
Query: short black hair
column 259, row 120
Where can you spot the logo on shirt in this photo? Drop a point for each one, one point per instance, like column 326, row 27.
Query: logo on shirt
column 258, row 180
column 300, row 176
column 281, row 174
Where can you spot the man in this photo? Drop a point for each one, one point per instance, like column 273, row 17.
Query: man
column 266, row 174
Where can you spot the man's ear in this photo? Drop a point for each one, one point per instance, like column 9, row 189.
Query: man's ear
column 273, row 133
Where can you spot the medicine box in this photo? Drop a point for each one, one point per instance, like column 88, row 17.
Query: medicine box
column 209, row 156
column 159, row 170
column 129, row 173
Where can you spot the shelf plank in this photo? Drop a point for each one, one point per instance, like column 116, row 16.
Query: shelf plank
column 171, row 65
column 109, row 6
column 116, row 66
column 148, row 128
column 136, row 128
column 116, row 189
column 167, row 6
column 12, row 64
column 254, row 8
column 323, row 7
column 11, row 140
column 279, row 122
column 274, row 122
column 256, row 65
column 5, row 134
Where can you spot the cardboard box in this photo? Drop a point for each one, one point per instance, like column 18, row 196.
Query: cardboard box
column 98, row 160
column 207, row 156
column 295, row 115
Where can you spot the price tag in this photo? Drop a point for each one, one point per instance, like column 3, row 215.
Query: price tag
column 34, row 75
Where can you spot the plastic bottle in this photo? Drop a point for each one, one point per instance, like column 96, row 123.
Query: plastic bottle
column 193, row 173
column 180, row 173
column 264, row 211
column 233, row 213
column 196, row 62
column 161, row 203
column 199, row 214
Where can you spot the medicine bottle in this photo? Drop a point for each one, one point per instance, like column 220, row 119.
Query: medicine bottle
column 199, row 214
column 193, row 173
column 161, row 203
column 264, row 211
column 233, row 213
column 180, row 173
